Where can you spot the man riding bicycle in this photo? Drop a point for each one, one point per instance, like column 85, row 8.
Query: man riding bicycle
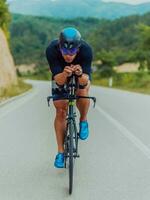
column 66, row 56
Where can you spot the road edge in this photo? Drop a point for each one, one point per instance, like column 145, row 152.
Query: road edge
column 15, row 97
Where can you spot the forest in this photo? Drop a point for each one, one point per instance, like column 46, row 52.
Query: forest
column 113, row 41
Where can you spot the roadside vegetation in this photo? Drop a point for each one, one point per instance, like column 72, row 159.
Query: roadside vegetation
column 5, row 17
column 21, row 87
column 38, row 74
column 14, row 90
column 135, row 82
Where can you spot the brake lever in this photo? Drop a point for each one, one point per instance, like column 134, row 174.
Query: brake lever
column 48, row 100
column 94, row 101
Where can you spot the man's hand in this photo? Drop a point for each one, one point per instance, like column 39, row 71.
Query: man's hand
column 77, row 70
column 68, row 71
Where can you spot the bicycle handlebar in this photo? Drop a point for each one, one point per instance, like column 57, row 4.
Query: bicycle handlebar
column 72, row 98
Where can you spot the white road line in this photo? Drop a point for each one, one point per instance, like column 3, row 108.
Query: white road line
column 17, row 103
column 128, row 134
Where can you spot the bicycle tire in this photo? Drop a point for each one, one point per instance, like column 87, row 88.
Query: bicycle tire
column 75, row 138
column 71, row 129
column 66, row 147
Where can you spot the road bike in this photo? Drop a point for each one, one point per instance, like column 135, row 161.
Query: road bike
column 71, row 133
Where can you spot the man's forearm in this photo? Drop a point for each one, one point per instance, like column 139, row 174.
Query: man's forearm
column 61, row 78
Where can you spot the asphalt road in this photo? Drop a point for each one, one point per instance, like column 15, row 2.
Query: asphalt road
column 114, row 162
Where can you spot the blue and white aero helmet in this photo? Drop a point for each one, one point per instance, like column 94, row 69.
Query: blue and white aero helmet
column 70, row 38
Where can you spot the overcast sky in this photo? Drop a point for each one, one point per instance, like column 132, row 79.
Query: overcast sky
column 124, row 1
column 128, row 1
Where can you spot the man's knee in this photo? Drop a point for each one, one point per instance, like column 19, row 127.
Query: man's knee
column 61, row 113
column 61, row 108
column 85, row 91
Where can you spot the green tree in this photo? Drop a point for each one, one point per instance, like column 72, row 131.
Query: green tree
column 107, row 62
column 144, row 46
column 4, row 16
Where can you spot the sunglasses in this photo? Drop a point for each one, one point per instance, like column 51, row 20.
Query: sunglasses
column 70, row 52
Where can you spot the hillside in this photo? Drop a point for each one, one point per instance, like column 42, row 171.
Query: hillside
column 7, row 68
column 76, row 8
column 31, row 35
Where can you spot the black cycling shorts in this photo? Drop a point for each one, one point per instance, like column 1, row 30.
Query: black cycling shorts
column 60, row 91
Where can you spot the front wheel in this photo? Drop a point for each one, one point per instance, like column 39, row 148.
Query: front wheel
column 71, row 132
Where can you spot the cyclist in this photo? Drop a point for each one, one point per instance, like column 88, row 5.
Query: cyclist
column 67, row 55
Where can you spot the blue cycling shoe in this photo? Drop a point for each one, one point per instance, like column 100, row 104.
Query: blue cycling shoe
column 84, row 130
column 59, row 160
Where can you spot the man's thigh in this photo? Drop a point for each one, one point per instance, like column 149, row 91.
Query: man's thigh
column 58, row 95
column 83, row 91
column 61, row 104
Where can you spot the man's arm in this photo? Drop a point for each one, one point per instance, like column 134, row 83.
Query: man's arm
column 61, row 78
column 59, row 75
column 86, row 62
column 82, row 77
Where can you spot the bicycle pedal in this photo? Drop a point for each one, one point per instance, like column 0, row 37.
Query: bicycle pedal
column 76, row 156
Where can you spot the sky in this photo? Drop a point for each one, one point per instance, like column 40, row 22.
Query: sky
column 128, row 1
column 123, row 1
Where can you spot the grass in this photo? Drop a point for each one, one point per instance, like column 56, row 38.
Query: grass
column 44, row 77
column 14, row 90
column 136, row 82
column 40, row 74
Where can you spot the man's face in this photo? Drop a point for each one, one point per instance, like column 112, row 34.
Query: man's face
column 69, row 58
column 69, row 55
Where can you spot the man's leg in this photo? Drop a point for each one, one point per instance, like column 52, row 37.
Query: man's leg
column 83, row 104
column 83, row 107
column 60, row 123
